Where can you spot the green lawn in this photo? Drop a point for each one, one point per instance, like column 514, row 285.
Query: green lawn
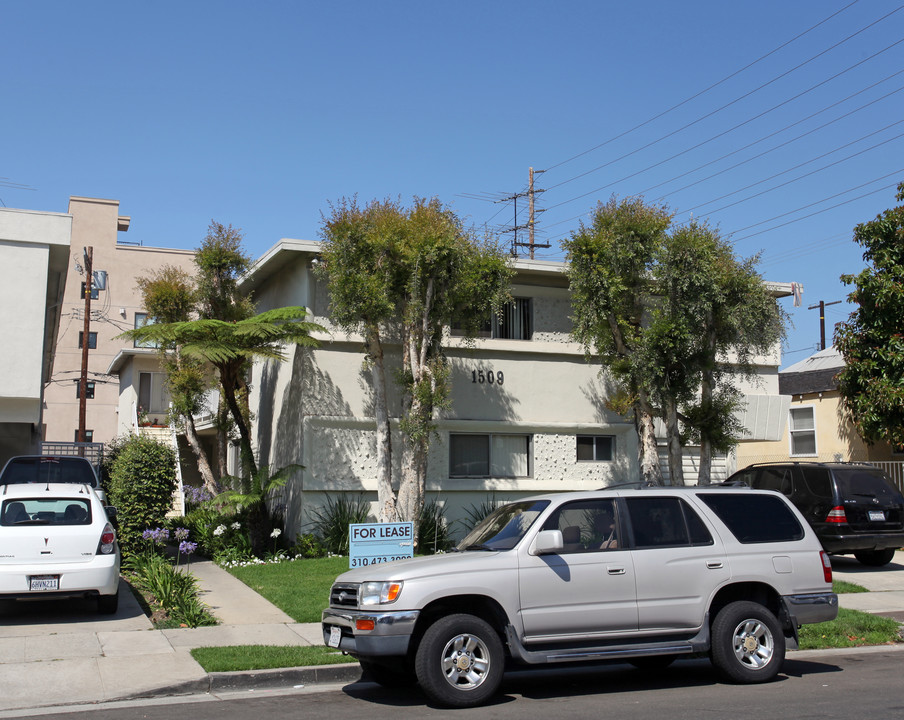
column 300, row 588
column 265, row 657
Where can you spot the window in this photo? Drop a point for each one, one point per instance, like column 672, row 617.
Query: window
column 152, row 395
column 775, row 478
column 489, row 455
column 89, row 436
column 595, row 448
column 89, row 394
column 141, row 319
column 92, row 339
column 755, row 518
column 803, row 431
column 586, row 525
column 665, row 522
column 516, row 321
column 93, row 291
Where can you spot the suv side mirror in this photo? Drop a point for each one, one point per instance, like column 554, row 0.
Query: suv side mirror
column 548, row 542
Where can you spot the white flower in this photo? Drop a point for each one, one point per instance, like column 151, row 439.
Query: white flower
column 236, row 525
column 219, row 530
column 276, row 533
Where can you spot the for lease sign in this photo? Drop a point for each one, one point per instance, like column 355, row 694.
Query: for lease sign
column 373, row 543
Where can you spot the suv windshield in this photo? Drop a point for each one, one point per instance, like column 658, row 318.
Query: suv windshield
column 862, row 482
column 504, row 527
column 48, row 469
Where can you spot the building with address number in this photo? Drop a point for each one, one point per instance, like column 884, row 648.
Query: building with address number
column 528, row 413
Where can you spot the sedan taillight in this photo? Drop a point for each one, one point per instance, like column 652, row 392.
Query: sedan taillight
column 826, row 566
column 836, row 515
column 107, row 540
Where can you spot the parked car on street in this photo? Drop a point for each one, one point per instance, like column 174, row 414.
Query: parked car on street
column 853, row 507
column 56, row 540
column 51, row 468
column 644, row 576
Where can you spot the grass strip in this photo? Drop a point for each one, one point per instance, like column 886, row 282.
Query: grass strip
column 851, row 628
column 843, row 586
column 300, row 588
column 265, row 657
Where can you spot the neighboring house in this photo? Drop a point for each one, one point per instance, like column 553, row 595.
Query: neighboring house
column 116, row 368
column 528, row 413
column 34, row 255
column 817, row 427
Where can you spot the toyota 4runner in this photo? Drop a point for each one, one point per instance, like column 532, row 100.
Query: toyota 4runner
column 644, row 576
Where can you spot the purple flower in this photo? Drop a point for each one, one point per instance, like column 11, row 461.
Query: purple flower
column 181, row 534
column 187, row 548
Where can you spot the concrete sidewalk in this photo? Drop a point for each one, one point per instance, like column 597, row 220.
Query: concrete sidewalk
column 64, row 653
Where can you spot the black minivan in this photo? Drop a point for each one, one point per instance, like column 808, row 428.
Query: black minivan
column 853, row 507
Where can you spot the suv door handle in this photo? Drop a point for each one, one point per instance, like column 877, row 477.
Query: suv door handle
column 714, row 564
column 616, row 571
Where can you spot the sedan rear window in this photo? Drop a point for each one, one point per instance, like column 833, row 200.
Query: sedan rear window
column 45, row 511
column 755, row 518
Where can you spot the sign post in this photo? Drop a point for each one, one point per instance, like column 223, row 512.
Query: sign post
column 374, row 543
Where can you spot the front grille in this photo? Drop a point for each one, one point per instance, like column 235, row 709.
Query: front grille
column 344, row 595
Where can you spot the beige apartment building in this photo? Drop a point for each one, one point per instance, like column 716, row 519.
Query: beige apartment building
column 115, row 307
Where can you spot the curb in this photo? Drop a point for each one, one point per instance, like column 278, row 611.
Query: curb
column 277, row 678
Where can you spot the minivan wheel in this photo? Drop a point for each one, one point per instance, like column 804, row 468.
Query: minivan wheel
column 459, row 661
column 875, row 558
column 747, row 643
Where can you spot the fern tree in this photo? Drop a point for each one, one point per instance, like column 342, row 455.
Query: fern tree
column 228, row 347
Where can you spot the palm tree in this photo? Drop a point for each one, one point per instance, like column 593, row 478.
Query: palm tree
column 230, row 347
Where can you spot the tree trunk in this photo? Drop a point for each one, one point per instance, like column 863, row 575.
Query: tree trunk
column 191, row 435
column 249, row 466
column 704, row 477
column 673, row 437
column 386, row 499
column 412, row 486
column 222, row 438
column 647, row 450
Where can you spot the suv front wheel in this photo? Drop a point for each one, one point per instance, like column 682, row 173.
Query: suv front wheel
column 748, row 645
column 459, row 661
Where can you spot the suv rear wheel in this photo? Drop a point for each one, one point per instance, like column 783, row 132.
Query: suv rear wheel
column 748, row 645
column 459, row 661
column 875, row 558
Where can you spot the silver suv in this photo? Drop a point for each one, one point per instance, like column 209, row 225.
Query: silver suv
column 644, row 576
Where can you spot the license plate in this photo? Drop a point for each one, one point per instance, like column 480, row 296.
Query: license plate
column 877, row 515
column 335, row 635
column 38, row 583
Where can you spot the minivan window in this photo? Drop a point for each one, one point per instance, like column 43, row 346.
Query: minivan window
column 755, row 518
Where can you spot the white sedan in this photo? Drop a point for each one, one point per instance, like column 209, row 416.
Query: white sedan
column 56, row 540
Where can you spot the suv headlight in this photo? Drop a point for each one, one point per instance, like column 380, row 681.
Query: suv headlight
column 379, row 593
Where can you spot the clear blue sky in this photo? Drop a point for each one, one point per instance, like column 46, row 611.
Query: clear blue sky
column 259, row 114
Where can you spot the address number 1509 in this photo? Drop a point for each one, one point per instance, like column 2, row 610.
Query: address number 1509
column 490, row 377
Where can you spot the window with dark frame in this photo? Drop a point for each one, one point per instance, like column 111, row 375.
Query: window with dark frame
column 481, row 455
column 89, row 389
column 92, row 340
column 515, row 322
column 89, row 436
column 595, row 448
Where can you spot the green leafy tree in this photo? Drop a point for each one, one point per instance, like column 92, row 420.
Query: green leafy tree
column 610, row 272
column 398, row 274
column 872, row 339
column 169, row 296
column 141, row 486
column 228, row 347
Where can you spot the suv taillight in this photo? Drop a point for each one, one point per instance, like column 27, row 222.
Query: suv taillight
column 107, row 540
column 826, row 566
column 836, row 515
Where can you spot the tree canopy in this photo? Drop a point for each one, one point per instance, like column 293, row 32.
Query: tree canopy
column 872, row 339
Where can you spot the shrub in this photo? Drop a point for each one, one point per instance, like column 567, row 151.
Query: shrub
column 475, row 513
column 174, row 592
column 331, row 522
column 432, row 529
column 142, row 481
column 308, row 546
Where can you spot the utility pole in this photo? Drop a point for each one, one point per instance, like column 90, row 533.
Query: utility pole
column 822, row 304
column 531, row 193
column 86, row 335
